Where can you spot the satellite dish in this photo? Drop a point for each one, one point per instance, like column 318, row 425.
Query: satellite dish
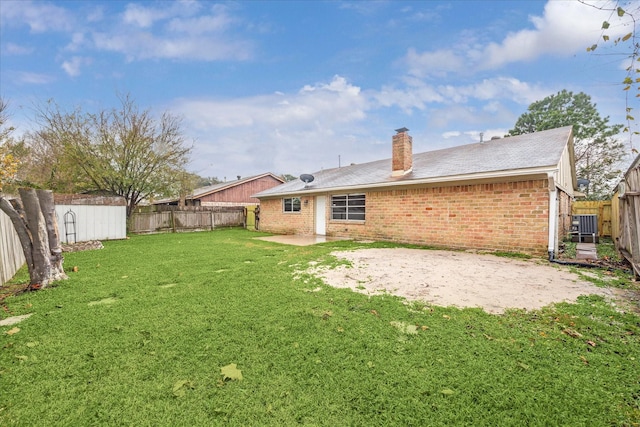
column 306, row 178
column 582, row 182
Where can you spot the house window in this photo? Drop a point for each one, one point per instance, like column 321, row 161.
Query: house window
column 291, row 204
column 350, row 207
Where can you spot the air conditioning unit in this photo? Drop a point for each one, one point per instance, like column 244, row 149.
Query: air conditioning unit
column 584, row 227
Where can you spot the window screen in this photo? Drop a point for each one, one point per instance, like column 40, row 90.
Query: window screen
column 349, row 207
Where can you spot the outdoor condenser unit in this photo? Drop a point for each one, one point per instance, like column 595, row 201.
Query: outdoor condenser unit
column 585, row 226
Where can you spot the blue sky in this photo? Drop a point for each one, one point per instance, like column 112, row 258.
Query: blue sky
column 299, row 86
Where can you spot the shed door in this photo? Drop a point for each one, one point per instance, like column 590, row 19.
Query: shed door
column 321, row 220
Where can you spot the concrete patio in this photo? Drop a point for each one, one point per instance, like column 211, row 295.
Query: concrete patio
column 297, row 240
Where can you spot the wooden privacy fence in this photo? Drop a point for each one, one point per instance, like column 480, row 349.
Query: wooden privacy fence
column 601, row 208
column 628, row 242
column 11, row 255
column 176, row 221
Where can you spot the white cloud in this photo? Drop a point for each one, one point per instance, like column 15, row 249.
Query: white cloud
column 335, row 102
column 494, row 133
column 564, row 28
column 16, row 49
column 78, row 41
column 146, row 17
column 144, row 45
column 451, row 134
column 39, row 16
column 96, row 15
column 73, row 66
column 436, row 63
column 504, row 88
column 34, row 78
column 143, row 17
column 282, row 133
column 418, row 94
column 172, row 32
column 201, row 24
column 415, row 96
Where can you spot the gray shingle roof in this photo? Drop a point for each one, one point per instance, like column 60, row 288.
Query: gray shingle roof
column 516, row 153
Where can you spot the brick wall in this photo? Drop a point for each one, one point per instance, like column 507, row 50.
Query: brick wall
column 510, row 216
column 274, row 220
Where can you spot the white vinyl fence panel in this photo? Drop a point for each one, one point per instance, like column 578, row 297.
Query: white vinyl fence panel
column 11, row 255
column 91, row 222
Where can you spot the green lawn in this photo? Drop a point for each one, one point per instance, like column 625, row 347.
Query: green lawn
column 139, row 335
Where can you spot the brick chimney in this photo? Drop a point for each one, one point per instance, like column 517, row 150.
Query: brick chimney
column 402, row 158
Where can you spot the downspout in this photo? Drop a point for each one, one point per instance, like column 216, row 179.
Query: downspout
column 553, row 218
column 553, row 230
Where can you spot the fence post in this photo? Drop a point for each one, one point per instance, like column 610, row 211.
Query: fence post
column 634, row 231
column 173, row 221
column 211, row 214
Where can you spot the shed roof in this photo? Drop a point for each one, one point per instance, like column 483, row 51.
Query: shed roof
column 537, row 152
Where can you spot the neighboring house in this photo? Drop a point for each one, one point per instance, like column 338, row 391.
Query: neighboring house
column 508, row 194
column 231, row 193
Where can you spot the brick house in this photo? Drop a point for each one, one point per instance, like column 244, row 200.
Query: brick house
column 506, row 194
column 230, row 193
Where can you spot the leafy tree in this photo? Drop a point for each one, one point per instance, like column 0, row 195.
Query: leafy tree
column 287, row 177
column 8, row 161
column 125, row 152
column 184, row 184
column 598, row 153
column 205, row 181
column 631, row 83
column 32, row 216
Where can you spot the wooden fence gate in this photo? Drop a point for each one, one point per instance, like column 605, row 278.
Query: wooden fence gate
column 601, row 208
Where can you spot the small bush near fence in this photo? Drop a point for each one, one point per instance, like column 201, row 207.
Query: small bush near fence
column 191, row 219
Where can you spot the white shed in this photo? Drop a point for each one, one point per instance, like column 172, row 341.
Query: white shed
column 82, row 218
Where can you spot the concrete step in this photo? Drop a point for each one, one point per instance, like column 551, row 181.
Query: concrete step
column 586, row 251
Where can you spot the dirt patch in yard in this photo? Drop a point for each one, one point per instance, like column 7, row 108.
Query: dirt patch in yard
column 459, row 279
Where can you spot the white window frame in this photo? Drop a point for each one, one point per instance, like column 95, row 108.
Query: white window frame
column 292, row 205
column 349, row 207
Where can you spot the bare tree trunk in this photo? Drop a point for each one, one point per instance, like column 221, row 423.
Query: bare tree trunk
column 45, row 197
column 13, row 211
column 40, row 243
column 37, row 230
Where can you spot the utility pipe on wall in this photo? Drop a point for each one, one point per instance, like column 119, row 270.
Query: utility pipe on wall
column 553, row 217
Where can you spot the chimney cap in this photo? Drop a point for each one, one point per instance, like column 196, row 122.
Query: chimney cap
column 401, row 130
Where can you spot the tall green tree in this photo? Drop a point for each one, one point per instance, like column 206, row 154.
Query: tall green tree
column 48, row 165
column 598, row 151
column 124, row 151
